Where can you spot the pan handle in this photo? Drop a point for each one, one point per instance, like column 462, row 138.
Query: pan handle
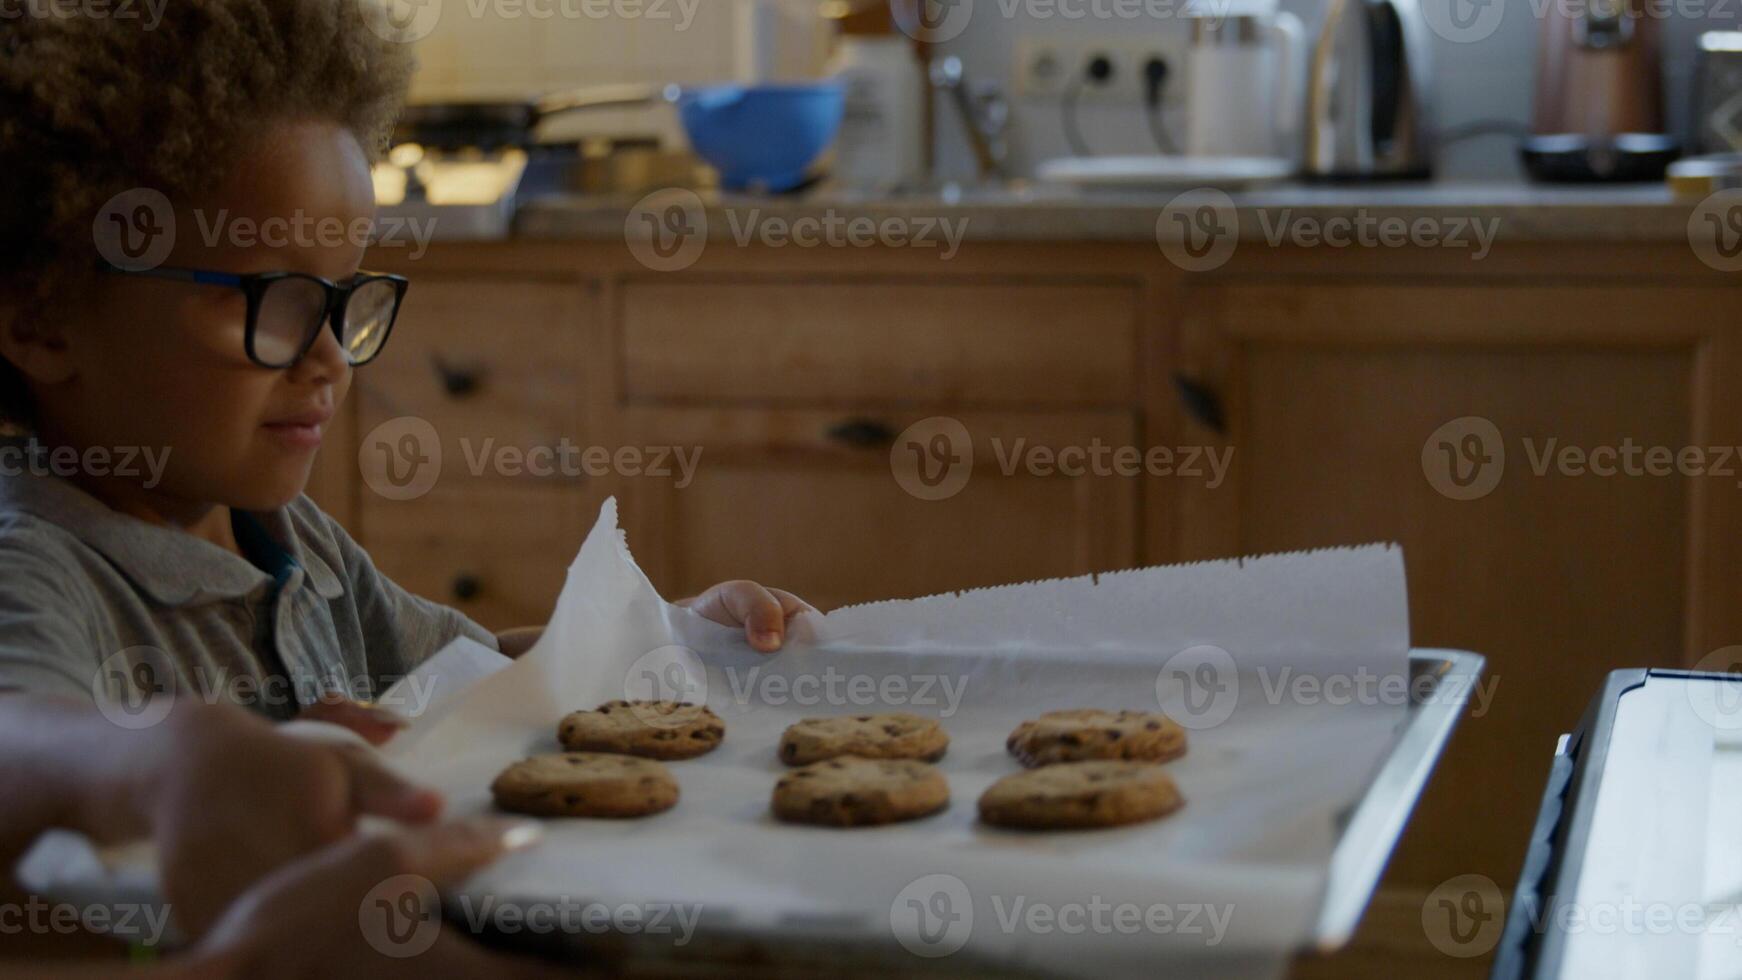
column 595, row 97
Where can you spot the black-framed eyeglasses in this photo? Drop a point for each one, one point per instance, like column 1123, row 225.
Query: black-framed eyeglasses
column 286, row 310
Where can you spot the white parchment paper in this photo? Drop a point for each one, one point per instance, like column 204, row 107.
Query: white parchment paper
column 1275, row 663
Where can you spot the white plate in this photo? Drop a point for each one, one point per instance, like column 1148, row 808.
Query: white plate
column 1165, row 172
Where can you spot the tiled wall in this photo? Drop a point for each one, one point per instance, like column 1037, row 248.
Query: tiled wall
column 501, row 53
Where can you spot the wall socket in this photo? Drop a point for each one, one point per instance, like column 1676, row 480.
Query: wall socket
column 1045, row 69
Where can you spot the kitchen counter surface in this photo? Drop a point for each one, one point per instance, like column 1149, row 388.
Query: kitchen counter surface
column 1513, row 212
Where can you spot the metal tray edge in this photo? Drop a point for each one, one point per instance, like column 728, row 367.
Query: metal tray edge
column 1376, row 823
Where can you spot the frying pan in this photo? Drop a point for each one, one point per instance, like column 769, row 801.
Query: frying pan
column 498, row 125
column 761, row 137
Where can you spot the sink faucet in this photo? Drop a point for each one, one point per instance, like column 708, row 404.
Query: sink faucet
column 985, row 114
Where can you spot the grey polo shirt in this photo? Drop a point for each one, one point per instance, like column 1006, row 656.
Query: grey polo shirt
column 97, row 604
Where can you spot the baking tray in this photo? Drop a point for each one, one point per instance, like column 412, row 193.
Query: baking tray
column 1441, row 683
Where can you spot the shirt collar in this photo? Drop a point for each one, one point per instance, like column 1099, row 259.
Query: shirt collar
column 173, row 567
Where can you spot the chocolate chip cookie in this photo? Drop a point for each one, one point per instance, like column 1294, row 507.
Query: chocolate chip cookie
column 1086, row 733
column 1076, row 795
column 889, row 736
column 854, row 792
column 585, row 784
column 651, row 729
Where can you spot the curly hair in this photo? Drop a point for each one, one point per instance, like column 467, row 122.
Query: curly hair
column 91, row 106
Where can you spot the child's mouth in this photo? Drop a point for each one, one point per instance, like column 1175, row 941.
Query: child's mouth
column 302, row 430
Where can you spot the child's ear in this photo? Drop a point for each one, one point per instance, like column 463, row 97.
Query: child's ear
column 37, row 351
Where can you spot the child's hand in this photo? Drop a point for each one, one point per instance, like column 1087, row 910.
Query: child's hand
column 763, row 612
column 374, row 723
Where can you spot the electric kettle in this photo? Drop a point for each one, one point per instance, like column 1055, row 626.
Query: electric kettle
column 1598, row 114
column 1367, row 106
column 1245, row 94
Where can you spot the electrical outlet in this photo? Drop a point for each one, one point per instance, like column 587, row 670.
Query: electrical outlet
column 1043, row 69
column 1046, row 70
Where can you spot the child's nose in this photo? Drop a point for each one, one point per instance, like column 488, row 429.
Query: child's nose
column 324, row 361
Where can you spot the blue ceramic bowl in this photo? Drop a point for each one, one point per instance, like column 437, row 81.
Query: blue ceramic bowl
column 761, row 137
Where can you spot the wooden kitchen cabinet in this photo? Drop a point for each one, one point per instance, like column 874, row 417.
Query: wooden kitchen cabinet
column 1329, row 395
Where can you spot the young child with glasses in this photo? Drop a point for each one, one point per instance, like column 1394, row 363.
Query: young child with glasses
column 130, row 332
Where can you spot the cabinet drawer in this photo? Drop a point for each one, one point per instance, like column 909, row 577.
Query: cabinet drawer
column 491, row 364
column 774, row 498
column 500, row 555
column 970, row 343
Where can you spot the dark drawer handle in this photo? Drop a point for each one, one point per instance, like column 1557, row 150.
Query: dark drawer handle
column 466, row 587
column 457, row 382
column 1202, row 403
column 862, row 433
